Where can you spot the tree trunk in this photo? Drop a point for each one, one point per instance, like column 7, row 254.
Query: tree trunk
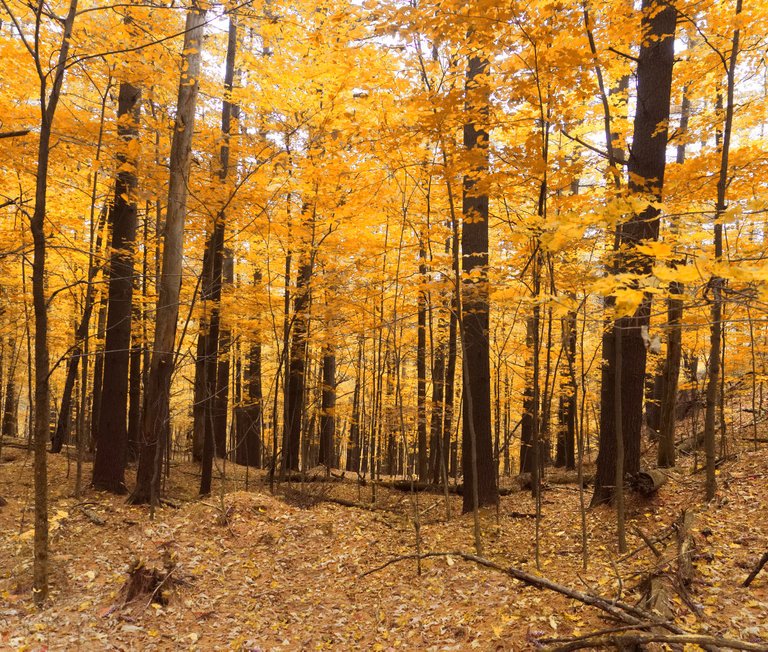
column 526, row 428
column 353, row 446
column 647, row 162
column 219, row 271
column 10, row 421
column 40, row 306
column 156, row 413
column 221, row 402
column 328, row 414
column 566, row 441
column 477, row 442
column 111, row 430
column 250, row 419
column 716, row 284
column 421, row 368
column 295, row 378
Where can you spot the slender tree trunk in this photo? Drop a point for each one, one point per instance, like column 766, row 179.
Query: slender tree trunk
column 250, row 419
column 48, row 104
column 98, row 369
column 81, row 333
column 221, row 403
column 354, row 445
column 156, row 413
column 328, row 413
column 134, row 389
column 111, row 430
column 296, row 382
column 220, row 270
column 10, row 418
column 716, row 283
column 526, row 428
column 421, row 367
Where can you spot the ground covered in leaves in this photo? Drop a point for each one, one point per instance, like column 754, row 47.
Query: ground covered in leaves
column 247, row 570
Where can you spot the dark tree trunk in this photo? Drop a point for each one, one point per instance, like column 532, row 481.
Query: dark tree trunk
column 437, row 456
column 477, row 442
column 295, row 379
column 354, row 446
column 134, row 392
column 421, row 369
column 210, row 337
column 98, row 370
column 220, row 270
column 647, row 162
column 198, row 406
column 328, row 413
column 10, row 422
column 250, row 418
column 667, row 418
column 40, row 306
column 111, row 430
column 716, row 283
column 156, row 413
column 221, row 402
column 566, row 441
column 526, row 428
column 655, row 391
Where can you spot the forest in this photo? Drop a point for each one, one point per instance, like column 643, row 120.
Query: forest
column 383, row 324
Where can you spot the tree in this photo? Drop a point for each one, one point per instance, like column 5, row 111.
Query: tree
column 156, row 413
column 48, row 104
column 646, row 165
column 112, row 431
column 477, row 442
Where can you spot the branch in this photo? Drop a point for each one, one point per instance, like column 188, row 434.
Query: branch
column 596, row 150
column 620, row 610
column 763, row 561
column 623, row 54
column 13, row 134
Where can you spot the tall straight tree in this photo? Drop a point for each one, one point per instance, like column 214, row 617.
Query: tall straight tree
column 249, row 419
column 717, row 283
column 421, row 367
column 156, row 414
column 214, row 442
column 646, row 166
column 111, row 431
column 295, row 381
column 49, row 100
column 477, row 443
column 328, row 412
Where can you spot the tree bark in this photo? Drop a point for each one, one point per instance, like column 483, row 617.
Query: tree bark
column 477, row 442
column 111, row 430
column 156, row 413
column 220, row 270
column 250, row 418
column 647, row 163
column 328, row 413
column 48, row 104
column 295, row 378
column 421, row 367
column 716, row 283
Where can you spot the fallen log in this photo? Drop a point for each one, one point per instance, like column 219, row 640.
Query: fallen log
column 428, row 487
column 632, row 640
column 650, row 481
column 299, row 477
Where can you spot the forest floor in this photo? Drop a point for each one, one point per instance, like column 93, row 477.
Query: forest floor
column 285, row 572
